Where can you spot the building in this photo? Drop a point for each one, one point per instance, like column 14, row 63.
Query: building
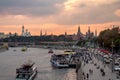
column 41, row 33
column 78, row 35
column 89, row 34
column 2, row 35
column 25, row 33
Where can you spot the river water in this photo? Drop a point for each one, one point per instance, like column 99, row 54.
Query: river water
column 10, row 60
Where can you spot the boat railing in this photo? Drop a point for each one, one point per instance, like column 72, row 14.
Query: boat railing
column 20, row 70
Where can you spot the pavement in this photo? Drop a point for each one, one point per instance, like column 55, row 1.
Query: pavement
column 96, row 65
column 79, row 74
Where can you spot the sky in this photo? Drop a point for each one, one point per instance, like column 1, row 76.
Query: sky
column 58, row 16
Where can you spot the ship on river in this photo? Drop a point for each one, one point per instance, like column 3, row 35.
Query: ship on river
column 24, row 49
column 59, row 61
column 50, row 51
column 26, row 72
column 66, row 60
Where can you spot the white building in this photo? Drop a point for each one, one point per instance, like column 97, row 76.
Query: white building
column 25, row 33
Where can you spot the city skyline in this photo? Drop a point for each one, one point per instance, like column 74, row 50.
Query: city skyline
column 57, row 17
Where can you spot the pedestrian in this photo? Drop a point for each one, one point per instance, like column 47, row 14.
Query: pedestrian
column 87, row 76
column 103, row 73
column 119, row 72
column 83, row 74
column 90, row 71
column 98, row 67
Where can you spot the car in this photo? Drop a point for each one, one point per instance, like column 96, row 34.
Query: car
column 106, row 59
column 116, row 66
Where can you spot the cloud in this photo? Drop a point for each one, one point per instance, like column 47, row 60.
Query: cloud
column 89, row 12
column 117, row 12
column 29, row 7
column 63, row 12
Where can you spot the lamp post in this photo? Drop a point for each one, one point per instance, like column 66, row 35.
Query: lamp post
column 103, row 45
column 112, row 45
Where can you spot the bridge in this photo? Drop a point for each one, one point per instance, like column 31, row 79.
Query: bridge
column 62, row 43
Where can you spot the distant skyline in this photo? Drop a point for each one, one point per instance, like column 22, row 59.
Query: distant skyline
column 58, row 16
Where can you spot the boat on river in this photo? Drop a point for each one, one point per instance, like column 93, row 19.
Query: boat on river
column 24, row 49
column 68, row 52
column 59, row 61
column 26, row 72
column 50, row 51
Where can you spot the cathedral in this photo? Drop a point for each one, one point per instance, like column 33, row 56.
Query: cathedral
column 25, row 33
column 88, row 34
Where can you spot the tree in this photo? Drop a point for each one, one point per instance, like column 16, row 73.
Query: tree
column 107, row 36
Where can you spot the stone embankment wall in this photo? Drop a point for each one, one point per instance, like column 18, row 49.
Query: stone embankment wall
column 79, row 75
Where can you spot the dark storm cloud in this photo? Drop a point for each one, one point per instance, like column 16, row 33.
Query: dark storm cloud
column 29, row 7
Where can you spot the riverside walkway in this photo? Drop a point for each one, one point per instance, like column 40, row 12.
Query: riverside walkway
column 95, row 65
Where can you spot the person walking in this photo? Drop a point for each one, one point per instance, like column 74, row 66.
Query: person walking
column 87, row 76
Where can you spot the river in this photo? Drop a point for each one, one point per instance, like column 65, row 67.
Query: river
column 10, row 60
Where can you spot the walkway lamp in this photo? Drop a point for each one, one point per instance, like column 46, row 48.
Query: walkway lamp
column 103, row 45
column 113, row 59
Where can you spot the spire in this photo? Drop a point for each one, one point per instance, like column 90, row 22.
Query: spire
column 79, row 29
column 22, row 28
column 79, row 32
column 22, row 33
column 65, row 34
column 41, row 33
column 89, row 29
column 95, row 32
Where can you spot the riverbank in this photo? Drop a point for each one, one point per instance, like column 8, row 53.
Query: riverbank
column 79, row 74
column 2, row 49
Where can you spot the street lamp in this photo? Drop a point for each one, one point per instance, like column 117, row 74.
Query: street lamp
column 112, row 45
column 103, row 45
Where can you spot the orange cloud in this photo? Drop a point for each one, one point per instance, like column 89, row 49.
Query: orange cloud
column 117, row 12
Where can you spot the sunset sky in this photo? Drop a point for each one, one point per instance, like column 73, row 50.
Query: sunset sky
column 58, row 16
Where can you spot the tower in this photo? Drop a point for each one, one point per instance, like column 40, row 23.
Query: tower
column 79, row 32
column 78, row 29
column 23, row 32
column 26, row 31
column 65, row 34
column 41, row 33
column 89, row 30
column 22, row 29
column 95, row 32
